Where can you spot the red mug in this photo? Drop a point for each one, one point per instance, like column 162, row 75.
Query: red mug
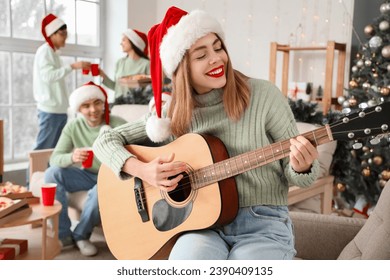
column 85, row 71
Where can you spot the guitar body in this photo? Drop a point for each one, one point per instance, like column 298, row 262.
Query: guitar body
column 142, row 222
column 152, row 234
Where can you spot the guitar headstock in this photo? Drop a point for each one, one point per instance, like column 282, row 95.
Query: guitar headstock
column 367, row 122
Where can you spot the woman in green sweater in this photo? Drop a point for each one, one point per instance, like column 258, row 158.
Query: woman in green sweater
column 136, row 62
column 210, row 97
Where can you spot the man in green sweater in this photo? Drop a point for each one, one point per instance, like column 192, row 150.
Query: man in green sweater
column 91, row 101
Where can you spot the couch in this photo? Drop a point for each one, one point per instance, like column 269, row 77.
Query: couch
column 317, row 198
column 330, row 237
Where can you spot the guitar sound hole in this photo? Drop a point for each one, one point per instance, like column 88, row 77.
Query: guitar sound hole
column 183, row 190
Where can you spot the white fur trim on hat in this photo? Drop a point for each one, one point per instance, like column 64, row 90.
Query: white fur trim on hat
column 84, row 93
column 183, row 35
column 53, row 26
column 158, row 129
column 135, row 38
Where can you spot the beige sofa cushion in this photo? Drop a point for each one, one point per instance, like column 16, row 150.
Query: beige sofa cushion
column 373, row 240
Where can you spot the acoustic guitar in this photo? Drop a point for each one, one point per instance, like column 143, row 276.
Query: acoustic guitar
column 142, row 222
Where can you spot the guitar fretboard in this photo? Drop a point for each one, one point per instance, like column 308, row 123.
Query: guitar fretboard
column 253, row 159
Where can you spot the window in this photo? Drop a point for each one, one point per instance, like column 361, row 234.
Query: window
column 20, row 36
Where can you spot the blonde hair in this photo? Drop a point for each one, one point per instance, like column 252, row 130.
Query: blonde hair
column 236, row 95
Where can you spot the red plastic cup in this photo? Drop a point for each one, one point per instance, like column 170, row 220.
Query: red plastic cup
column 85, row 71
column 88, row 162
column 95, row 69
column 48, row 193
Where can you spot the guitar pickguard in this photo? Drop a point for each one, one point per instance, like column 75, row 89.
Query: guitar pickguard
column 166, row 217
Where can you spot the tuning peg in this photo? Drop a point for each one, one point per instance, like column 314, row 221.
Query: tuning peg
column 357, row 145
column 375, row 140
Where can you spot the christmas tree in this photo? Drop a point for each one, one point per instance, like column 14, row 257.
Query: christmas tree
column 362, row 173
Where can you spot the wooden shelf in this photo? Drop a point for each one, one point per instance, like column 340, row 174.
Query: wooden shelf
column 327, row 100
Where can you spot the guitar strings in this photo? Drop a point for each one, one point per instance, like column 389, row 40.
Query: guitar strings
column 332, row 125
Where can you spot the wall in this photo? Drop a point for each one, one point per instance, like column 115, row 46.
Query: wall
column 251, row 25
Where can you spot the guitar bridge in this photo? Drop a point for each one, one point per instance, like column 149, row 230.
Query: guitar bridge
column 140, row 199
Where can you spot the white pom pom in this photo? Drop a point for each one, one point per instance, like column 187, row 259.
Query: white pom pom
column 104, row 128
column 158, row 129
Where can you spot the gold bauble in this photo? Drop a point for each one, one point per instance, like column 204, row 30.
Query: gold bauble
column 353, row 84
column 385, row 174
column 340, row 187
column 352, row 101
column 386, row 51
column 377, row 160
column 369, row 30
column 385, row 91
column 366, row 172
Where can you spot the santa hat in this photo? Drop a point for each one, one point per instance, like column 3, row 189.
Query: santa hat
column 87, row 92
column 50, row 24
column 139, row 39
column 169, row 42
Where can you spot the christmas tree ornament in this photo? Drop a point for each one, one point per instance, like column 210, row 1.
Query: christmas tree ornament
column 369, row 30
column 352, row 101
column 367, row 62
column 385, row 91
column 340, row 187
column 375, row 42
column 378, row 160
column 366, row 172
column 385, row 174
column 353, row 84
column 366, row 85
column 354, row 69
column 340, row 100
column 360, row 63
column 364, row 164
column 388, row 67
column 386, row 51
column 372, row 102
column 383, row 8
column 384, row 25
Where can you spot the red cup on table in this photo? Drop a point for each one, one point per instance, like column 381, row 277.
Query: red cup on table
column 48, row 193
column 88, row 162
column 95, row 69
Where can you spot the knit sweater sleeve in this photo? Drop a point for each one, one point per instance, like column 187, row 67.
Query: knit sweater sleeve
column 110, row 149
column 281, row 126
column 50, row 68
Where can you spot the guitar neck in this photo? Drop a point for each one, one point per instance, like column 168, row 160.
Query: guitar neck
column 253, row 159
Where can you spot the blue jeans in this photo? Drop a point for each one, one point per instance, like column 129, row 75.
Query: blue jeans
column 50, row 128
column 258, row 233
column 70, row 180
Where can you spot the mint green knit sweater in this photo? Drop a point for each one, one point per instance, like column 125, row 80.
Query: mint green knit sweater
column 268, row 119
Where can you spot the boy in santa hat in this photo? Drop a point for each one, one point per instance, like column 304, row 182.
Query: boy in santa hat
column 210, row 97
column 90, row 101
column 49, row 87
column 136, row 62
